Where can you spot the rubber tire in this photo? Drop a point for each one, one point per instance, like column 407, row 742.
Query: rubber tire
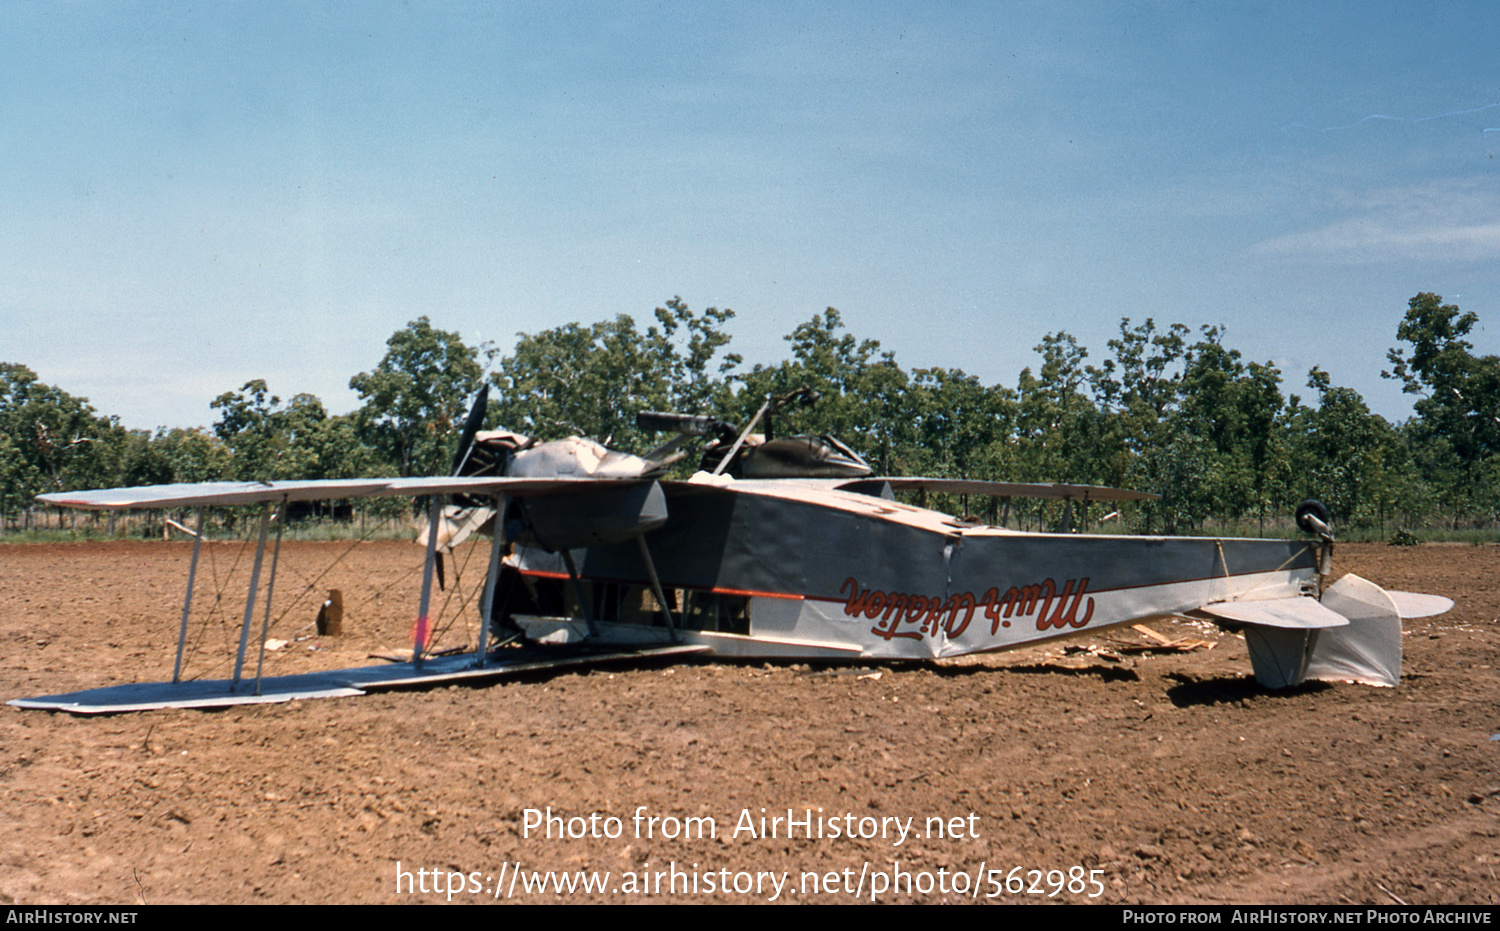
column 1315, row 508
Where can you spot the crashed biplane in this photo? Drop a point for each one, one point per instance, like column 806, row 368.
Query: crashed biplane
column 782, row 548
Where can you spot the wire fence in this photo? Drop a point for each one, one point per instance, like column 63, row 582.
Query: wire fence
column 63, row 524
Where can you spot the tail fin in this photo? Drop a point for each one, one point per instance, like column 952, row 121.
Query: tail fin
column 1279, row 655
column 1366, row 650
column 1369, row 649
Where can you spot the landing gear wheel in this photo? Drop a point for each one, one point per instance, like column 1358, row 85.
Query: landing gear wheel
column 1310, row 514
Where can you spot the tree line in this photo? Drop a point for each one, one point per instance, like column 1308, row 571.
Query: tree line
column 1165, row 409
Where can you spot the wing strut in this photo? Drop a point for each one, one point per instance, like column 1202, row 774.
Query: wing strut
column 419, row 638
column 487, row 604
column 586, row 605
column 260, row 552
column 661, row 597
column 265, row 625
column 744, row 435
column 187, row 601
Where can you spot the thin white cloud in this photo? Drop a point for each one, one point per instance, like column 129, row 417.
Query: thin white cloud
column 1451, row 221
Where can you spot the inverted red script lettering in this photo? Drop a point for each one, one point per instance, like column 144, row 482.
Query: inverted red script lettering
column 925, row 615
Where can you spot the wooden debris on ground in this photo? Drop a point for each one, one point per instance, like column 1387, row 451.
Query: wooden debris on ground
column 1181, row 644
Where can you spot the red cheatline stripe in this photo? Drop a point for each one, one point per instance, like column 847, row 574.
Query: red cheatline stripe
column 841, row 599
column 750, row 594
column 744, row 593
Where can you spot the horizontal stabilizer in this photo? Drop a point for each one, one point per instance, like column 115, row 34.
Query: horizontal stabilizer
column 1416, row 604
column 1297, row 613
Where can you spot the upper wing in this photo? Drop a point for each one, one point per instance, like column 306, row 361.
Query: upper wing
column 954, row 486
column 213, row 493
column 209, row 494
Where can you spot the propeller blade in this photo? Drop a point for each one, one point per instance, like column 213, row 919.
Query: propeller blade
column 472, row 424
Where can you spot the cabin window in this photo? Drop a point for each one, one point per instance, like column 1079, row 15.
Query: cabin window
column 626, row 603
column 712, row 611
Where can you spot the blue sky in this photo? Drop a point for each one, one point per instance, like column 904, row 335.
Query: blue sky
column 198, row 195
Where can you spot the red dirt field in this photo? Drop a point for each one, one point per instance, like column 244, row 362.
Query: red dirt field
column 1171, row 774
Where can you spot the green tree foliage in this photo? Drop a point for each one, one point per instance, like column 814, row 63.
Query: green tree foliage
column 266, row 442
column 591, row 381
column 1139, row 394
column 19, row 479
column 417, row 398
column 248, row 425
column 1349, row 458
column 52, row 441
column 1457, row 427
column 1189, row 419
column 176, row 455
column 864, row 396
column 1058, row 427
column 1140, row 388
column 1193, row 423
column 960, row 427
column 1235, row 409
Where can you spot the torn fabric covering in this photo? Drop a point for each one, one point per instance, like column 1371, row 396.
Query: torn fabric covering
column 1369, row 649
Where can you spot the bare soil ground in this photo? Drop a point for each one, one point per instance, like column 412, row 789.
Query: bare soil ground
column 1170, row 772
